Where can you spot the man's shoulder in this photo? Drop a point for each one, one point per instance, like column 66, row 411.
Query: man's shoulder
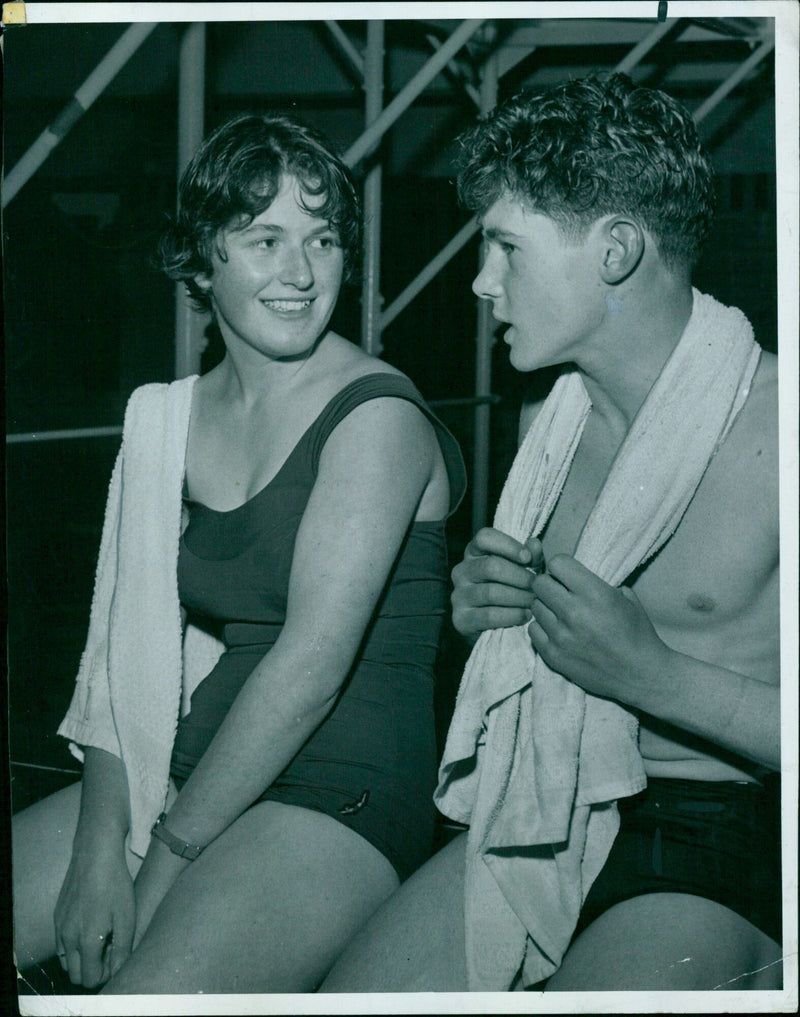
column 742, row 479
column 757, row 422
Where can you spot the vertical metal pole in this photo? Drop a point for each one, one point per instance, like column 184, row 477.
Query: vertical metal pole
column 371, row 283
column 189, row 325
column 485, row 342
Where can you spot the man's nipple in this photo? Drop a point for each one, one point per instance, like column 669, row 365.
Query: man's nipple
column 700, row 602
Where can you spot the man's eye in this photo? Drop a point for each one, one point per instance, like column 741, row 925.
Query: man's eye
column 507, row 248
column 324, row 243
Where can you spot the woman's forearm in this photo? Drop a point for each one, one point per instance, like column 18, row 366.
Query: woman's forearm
column 105, row 808
column 279, row 707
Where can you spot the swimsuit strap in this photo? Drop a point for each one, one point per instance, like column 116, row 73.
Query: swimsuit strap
column 381, row 385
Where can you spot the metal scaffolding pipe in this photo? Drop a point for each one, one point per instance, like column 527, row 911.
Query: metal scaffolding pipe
column 79, row 432
column 116, row 58
column 371, row 284
column 431, row 270
column 346, row 46
column 409, row 93
column 483, row 354
column 730, row 83
column 189, row 325
column 641, row 49
column 458, row 73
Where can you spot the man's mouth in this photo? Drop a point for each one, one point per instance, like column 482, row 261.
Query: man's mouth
column 287, row 305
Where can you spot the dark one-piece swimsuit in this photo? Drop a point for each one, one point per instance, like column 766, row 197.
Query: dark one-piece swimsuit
column 372, row 763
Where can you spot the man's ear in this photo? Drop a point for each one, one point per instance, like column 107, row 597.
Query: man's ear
column 623, row 247
column 203, row 282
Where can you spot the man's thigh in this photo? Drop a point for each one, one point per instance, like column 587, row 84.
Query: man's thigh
column 669, row 941
column 415, row 941
column 267, row 907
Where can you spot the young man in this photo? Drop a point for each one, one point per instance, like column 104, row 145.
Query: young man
column 595, row 199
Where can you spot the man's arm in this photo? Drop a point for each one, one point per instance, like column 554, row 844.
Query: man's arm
column 602, row 639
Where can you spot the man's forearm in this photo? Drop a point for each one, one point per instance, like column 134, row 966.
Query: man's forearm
column 727, row 708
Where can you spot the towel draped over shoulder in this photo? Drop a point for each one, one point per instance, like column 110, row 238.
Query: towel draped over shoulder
column 138, row 667
column 532, row 763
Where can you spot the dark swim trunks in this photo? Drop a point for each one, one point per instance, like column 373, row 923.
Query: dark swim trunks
column 372, row 763
column 719, row 840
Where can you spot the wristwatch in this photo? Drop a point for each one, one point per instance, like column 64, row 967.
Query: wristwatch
column 177, row 846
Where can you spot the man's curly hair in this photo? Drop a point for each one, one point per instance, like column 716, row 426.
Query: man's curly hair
column 235, row 175
column 593, row 147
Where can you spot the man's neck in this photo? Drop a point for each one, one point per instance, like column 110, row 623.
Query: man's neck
column 643, row 326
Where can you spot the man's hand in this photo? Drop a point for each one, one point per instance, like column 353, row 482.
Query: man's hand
column 594, row 634
column 493, row 583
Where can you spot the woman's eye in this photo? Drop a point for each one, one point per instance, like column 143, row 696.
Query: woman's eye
column 324, row 243
column 267, row 243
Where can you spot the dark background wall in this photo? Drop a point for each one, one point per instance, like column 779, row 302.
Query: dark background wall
column 87, row 317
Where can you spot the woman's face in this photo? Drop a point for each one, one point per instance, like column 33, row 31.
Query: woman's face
column 278, row 286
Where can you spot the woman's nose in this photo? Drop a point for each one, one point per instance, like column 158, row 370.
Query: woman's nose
column 296, row 268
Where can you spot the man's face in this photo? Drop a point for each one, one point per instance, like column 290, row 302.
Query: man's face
column 545, row 286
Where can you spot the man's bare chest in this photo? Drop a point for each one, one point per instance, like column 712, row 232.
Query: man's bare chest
column 701, row 583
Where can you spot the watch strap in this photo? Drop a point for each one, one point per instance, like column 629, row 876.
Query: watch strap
column 177, row 846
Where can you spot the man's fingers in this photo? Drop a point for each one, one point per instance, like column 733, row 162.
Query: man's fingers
column 489, row 541
column 497, row 595
column 551, row 592
column 537, row 562
column 499, row 617
column 492, row 569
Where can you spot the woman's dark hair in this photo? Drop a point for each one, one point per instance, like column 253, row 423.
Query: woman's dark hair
column 236, row 174
column 592, row 147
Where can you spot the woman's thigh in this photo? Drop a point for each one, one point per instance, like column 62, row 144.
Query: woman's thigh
column 669, row 941
column 415, row 941
column 267, row 907
column 41, row 848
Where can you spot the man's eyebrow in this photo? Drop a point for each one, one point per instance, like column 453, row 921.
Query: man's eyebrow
column 493, row 233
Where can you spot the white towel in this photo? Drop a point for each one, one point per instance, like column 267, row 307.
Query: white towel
column 532, row 763
column 135, row 669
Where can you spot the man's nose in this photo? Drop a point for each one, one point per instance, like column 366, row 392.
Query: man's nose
column 486, row 284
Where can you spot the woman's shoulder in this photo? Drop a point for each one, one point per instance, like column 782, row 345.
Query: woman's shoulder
column 350, row 362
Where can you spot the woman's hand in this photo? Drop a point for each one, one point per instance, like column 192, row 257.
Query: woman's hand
column 492, row 586
column 95, row 914
column 596, row 635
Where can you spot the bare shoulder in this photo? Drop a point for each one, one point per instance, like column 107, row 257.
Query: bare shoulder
column 743, row 477
column 352, row 362
column 752, row 444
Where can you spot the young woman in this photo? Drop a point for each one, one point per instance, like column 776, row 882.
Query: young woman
column 281, row 517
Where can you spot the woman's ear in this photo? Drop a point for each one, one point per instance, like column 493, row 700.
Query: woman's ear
column 203, row 282
column 623, row 248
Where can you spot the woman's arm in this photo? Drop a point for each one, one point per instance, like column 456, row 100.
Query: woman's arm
column 373, row 472
column 94, row 915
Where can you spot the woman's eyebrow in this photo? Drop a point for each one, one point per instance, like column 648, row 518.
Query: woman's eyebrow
column 268, row 227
